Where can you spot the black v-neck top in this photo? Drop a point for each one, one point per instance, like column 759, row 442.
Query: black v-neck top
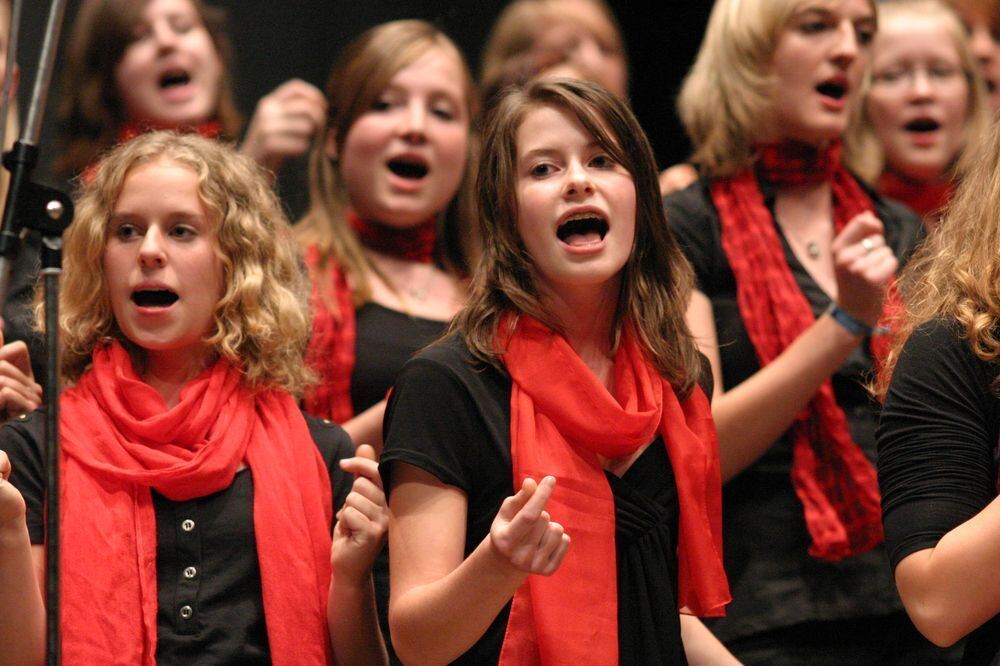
column 774, row 581
column 450, row 416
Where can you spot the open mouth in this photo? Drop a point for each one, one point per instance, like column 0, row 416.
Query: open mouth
column 832, row 89
column 583, row 229
column 154, row 298
column 174, row 78
column 410, row 168
column 921, row 125
column 991, row 86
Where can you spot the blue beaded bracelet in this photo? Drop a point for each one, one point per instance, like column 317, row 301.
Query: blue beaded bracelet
column 848, row 321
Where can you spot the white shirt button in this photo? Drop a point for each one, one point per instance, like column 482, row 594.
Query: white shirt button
column 187, row 612
column 190, row 572
column 187, row 525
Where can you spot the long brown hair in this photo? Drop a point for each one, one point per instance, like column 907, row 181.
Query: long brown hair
column 359, row 75
column 955, row 274
column 657, row 279
column 91, row 111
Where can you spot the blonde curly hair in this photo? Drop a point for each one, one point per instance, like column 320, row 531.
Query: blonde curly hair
column 261, row 323
column 955, row 274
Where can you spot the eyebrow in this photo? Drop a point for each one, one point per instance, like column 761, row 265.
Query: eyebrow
column 546, row 151
column 174, row 217
column 827, row 11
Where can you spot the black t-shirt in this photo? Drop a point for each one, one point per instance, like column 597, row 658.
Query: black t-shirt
column 450, row 416
column 937, row 446
column 774, row 581
column 385, row 340
column 206, row 553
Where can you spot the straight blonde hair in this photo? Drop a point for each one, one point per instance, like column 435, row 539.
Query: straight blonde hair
column 865, row 154
column 727, row 93
column 357, row 78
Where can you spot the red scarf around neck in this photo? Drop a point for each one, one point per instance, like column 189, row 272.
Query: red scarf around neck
column 331, row 346
column 119, row 440
column 831, row 475
column 210, row 129
column 924, row 198
column 561, row 419
column 410, row 243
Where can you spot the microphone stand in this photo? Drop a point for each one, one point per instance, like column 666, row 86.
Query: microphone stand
column 32, row 206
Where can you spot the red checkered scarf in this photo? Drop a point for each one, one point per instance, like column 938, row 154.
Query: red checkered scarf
column 924, row 198
column 414, row 243
column 832, row 477
column 211, row 129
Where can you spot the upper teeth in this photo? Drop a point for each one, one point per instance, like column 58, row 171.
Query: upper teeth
column 582, row 216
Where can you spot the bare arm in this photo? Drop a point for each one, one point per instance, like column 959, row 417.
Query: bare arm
column 951, row 589
column 701, row 646
column 751, row 416
column 366, row 427
column 22, row 624
column 442, row 603
column 358, row 537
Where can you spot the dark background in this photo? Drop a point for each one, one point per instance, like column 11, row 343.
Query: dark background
column 275, row 40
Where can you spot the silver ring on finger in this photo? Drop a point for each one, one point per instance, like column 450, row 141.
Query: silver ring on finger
column 868, row 244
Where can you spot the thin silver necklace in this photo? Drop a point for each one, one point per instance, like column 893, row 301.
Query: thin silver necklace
column 813, row 249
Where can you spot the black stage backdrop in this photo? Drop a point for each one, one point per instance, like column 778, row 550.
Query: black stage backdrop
column 275, row 40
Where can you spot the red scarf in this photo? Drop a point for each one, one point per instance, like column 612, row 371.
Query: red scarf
column 130, row 130
column 211, row 129
column 410, row 243
column 331, row 346
column 119, row 440
column 561, row 419
column 924, row 198
column 832, row 476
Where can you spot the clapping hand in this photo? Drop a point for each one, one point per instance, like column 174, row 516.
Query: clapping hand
column 363, row 520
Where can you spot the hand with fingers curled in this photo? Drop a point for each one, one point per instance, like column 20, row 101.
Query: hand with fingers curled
column 523, row 534
column 12, row 508
column 863, row 265
column 363, row 521
column 19, row 392
column 284, row 123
